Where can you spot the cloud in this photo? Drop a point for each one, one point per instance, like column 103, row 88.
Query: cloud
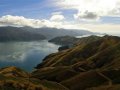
column 57, row 17
column 98, row 27
column 57, row 13
column 86, row 16
column 17, row 20
column 90, row 9
column 9, row 20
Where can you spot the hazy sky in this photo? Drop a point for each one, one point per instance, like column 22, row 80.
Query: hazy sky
column 94, row 15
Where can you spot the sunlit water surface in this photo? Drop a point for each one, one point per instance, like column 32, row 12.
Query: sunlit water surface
column 25, row 55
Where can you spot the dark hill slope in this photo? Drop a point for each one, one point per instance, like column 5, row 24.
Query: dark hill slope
column 18, row 34
column 81, row 52
column 64, row 40
column 71, row 40
column 90, row 64
column 13, row 78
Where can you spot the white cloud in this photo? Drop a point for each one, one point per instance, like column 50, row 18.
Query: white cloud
column 57, row 17
column 17, row 20
column 22, row 21
column 102, row 28
column 94, row 8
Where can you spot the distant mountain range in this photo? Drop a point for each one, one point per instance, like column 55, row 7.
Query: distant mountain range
column 28, row 33
column 50, row 33
column 18, row 34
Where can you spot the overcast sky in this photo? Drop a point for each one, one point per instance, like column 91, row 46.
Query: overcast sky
column 93, row 15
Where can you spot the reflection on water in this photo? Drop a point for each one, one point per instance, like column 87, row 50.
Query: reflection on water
column 25, row 55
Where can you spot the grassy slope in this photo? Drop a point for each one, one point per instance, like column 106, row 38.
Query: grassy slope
column 84, row 59
column 12, row 78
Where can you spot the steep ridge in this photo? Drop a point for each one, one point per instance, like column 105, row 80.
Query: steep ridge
column 88, row 65
column 80, row 52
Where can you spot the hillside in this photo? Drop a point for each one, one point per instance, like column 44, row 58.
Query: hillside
column 18, row 34
column 67, row 42
column 50, row 33
column 90, row 65
column 13, row 78
column 64, row 40
column 80, row 49
column 71, row 40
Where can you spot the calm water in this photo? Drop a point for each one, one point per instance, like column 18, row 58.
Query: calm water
column 25, row 55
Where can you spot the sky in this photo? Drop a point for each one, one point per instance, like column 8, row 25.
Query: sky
column 94, row 15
